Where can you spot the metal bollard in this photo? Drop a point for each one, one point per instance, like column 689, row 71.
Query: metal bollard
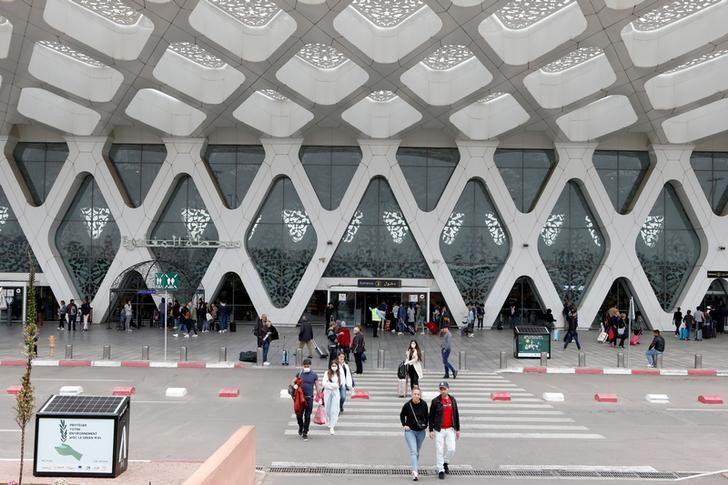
column 107, row 352
column 69, row 351
column 698, row 361
column 145, row 352
column 183, row 354
column 620, row 359
column 659, row 361
column 503, row 359
column 381, row 359
column 582, row 359
column 544, row 359
column 462, row 360
column 299, row 357
column 222, row 354
column 259, row 357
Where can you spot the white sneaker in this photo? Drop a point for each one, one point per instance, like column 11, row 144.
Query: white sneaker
column 186, row 335
column 650, row 366
column 331, row 431
column 219, row 331
column 175, row 335
column 266, row 363
column 195, row 335
column 399, row 333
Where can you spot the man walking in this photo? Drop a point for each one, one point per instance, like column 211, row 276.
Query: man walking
column 446, row 348
column 657, row 347
column 444, row 428
column 573, row 327
column 358, row 348
column 305, row 336
column 85, row 314
column 72, row 310
column 309, row 384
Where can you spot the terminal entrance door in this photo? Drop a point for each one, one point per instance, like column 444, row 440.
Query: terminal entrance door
column 12, row 302
column 352, row 305
column 528, row 306
column 716, row 298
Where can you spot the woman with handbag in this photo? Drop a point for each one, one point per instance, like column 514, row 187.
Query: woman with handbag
column 414, row 419
column 413, row 361
column 332, row 395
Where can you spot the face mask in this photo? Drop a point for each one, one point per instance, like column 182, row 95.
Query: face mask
column 334, row 368
column 413, row 345
column 306, row 369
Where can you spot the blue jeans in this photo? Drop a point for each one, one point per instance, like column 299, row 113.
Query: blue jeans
column 652, row 356
column 266, row 346
column 446, row 363
column 342, row 399
column 414, row 441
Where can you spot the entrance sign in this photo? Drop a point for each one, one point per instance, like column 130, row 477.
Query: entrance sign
column 166, row 281
column 342, row 296
column 379, row 283
column 79, row 436
column 176, row 242
column 717, row 274
column 413, row 298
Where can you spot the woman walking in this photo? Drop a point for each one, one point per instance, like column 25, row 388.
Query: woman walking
column 332, row 395
column 414, row 419
column 347, row 383
column 413, row 361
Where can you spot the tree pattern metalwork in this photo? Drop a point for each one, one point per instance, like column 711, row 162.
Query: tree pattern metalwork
column 571, row 244
column 378, row 242
column 87, row 239
column 668, row 248
column 14, row 246
column 281, row 242
column 185, row 216
column 474, row 244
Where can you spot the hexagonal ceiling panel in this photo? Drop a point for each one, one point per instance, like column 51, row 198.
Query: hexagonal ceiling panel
column 198, row 60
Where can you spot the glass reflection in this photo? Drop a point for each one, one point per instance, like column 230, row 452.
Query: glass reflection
column 40, row 164
column 137, row 166
column 711, row 169
column 330, row 170
column 233, row 169
column 524, row 172
column 473, row 243
column 427, row 171
column 571, row 244
column 14, row 246
column 621, row 173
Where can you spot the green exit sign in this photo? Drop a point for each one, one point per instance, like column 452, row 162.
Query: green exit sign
column 166, row 281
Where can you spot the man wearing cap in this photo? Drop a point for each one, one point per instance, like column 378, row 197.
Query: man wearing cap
column 309, row 383
column 444, row 428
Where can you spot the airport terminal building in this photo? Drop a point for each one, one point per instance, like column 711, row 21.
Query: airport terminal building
column 279, row 155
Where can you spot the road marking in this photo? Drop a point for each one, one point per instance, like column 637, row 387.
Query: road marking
column 464, row 418
column 701, row 475
column 534, row 427
column 698, row 410
column 159, row 402
column 464, row 412
column 9, row 431
column 48, row 379
column 392, row 434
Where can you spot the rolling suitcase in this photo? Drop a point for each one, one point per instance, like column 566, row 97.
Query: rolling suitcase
column 401, row 387
column 284, row 357
column 320, row 352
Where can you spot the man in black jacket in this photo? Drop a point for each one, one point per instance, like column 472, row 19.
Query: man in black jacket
column 657, row 347
column 305, row 336
column 444, row 428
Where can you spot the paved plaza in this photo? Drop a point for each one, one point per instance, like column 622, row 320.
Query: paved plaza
column 482, row 351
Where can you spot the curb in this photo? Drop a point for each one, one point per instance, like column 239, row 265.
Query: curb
column 615, row 371
column 125, row 363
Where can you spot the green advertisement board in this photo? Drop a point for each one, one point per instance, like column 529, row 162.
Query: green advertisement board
column 530, row 342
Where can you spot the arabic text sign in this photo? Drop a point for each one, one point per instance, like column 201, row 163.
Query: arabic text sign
column 75, row 445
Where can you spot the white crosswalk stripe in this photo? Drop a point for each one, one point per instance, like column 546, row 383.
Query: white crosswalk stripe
column 524, row 417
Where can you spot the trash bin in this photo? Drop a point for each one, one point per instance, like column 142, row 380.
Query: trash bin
column 82, row 436
column 530, row 340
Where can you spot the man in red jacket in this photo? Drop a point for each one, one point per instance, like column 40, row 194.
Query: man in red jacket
column 444, row 428
column 343, row 338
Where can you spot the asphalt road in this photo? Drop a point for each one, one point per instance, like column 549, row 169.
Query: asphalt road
column 682, row 436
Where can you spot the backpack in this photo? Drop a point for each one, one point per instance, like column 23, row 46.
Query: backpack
column 402, row 371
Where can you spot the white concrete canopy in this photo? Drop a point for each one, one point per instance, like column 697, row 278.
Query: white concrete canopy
column 597, row 119
column 72, row 71
column 570, row 78
column 58, row 112
column 164, row 112
column 272, row 113
column 674, row 29
column 697, row 123
column 252, row 37
column 381, row 115
column 489, row 117
column 322, row 84
column 389, row 41
column 441, row 85
column 112, row 28
column 694, row 80
column 519, row 35
column 197, row 73
column 622, row 4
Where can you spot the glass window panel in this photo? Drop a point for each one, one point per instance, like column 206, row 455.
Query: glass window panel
column 39, row 164
column 137, row 166
column 621, row 173
column 87, row 239
column 668, row 248
column 427, row 171
column 283, row 243
column 233, row 168
column 330, row 170
column 524, row 172
column 378, row 241
column 14, row 246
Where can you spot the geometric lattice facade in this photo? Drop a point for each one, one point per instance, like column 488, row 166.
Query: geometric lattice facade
column 230, row 92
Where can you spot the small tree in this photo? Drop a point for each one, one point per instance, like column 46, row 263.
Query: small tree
column 26, row 398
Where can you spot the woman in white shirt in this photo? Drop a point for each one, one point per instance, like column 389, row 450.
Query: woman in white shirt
column 347, row 383
column 413, row 361
column 332, row 386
